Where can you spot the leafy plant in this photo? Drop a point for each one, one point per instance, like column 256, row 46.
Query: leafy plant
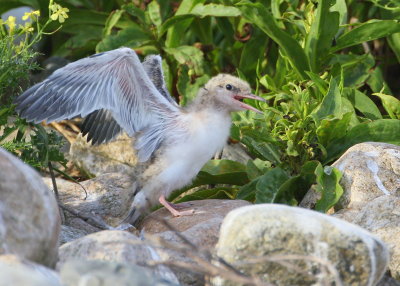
column 32, row 143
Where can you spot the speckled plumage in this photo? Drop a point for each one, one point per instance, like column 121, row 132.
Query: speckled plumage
column 117, row 92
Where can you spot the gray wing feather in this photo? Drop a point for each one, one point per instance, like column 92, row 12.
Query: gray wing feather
column 109, row 128
column 115, row 81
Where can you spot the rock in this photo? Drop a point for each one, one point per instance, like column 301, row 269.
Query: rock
column 270, row 231
column 388, row 281
column 29, row 215
column 201, row 229
column 381, row 217
column 70, row 233
column 369, row 170
column 109, row 196
column 113, row 245
column 114, row 157
column 104, row 273
column 235, row 152
column 21, row 272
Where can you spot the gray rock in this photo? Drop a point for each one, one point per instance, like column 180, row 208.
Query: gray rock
column 103, row 273
column 201, row 229
column 29, row 215
column 115, row 157
column 116, row 246
column 109, row 196
column 381, row 217
column 70, row 233
column 268, row 232
column 370, row 170
column 21, row 272
column 235, row 152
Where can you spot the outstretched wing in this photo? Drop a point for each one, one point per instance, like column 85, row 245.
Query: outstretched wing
column 101, row 126
column 115, row 81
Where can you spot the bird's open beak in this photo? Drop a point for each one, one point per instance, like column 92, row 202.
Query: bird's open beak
column 238, row 97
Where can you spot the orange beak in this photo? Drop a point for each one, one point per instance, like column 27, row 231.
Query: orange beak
column 238, row 97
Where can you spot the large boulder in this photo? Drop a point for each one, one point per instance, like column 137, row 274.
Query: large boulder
column 106, row 273
column 201, row 229
column 29, row 215
column 17, row 271
column 115, row 246
column 117, row 156
column 262, row 240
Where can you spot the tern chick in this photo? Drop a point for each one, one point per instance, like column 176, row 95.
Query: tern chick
column 116, row 92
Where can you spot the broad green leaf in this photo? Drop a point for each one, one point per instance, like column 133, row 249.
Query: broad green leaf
column 294, row 189
column 174, row 21
column 377, row 82
column 222, row 193
column 256, row 168
column 252, row 52
column 362, row 103
column 257, row 14
column 188, row 55
column 391, row 105
column 266, row 150
column 323, row 30
column 216, row 10
column 331, row 105
column 154, row 13
column 248, row 192
column 112, row 21
column 368, row 31
column 135, row 11
column 328, row 185
column 334, row 128
column 175, row 32
column 394, row 43
column 186, row 89
column 268, row 185
column 381, row 130
column 132, row 37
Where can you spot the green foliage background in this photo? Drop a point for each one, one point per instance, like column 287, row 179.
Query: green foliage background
column 327, row 69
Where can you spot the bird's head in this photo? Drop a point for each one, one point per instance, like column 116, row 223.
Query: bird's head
column 230, row 91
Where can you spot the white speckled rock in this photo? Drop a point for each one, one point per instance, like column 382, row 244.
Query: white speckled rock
column 381, row 217
column 269, row 230
column 15, row 271
column 369, row 170
column 29, row 216
column 113, row 245
column 106, row 273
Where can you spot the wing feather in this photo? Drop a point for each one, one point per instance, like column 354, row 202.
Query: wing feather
column 113, row 84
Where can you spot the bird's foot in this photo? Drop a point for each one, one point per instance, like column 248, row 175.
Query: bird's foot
column 172, row 208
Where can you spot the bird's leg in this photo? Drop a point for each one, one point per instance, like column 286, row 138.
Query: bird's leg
column 171, row 208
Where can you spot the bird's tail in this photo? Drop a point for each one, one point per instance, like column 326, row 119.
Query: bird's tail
column 133, row 215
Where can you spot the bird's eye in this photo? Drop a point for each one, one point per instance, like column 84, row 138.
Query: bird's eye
column 228, row 87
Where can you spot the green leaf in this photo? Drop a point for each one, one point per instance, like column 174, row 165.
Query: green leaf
column 112, row 21
column 330, row 105
column 294, row 189
column 132, row 37
column 368, row 31
column 154, row 13
column 186, row 88
column 221, row 193
column 188, row 55
column 381, row 130
column 256, row 168
column 257, row 14
column 394, row 43
column 322, row 32
column 268, row 185
column 334, row 128
column 362, row 103
column 174, row 35
column 216, row 10
column 328, row 185
column 248, row 191
column 391, row 105
column 377, row 81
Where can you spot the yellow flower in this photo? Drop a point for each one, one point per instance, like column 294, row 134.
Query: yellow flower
column 59, row 13
column 27, row 28
column 11, row 23
column 32, row 14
